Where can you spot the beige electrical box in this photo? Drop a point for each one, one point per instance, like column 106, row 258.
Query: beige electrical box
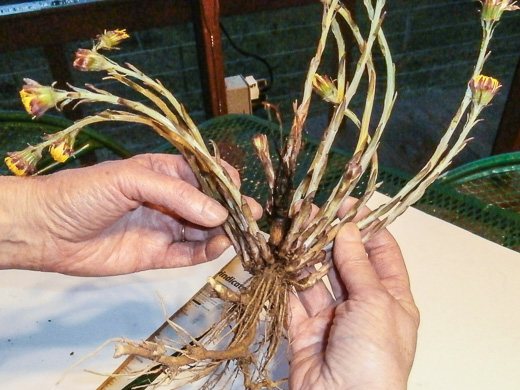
column 240, row 91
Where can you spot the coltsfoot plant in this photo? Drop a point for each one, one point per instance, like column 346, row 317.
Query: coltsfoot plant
column 296, row 253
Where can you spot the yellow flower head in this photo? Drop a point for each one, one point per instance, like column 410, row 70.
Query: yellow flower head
column 23, row 162
column 61, row 151
column 90, row 60
column 109, row 40
column 484, row 88
column 492, row 10
column 62, row 145
column 325, row 87
column 37, row 99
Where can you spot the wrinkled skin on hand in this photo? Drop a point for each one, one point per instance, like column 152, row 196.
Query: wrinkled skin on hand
column 363, row 337
column 120, row 217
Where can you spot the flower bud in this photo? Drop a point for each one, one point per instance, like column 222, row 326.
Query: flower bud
column 325, row 87
column 90, row 60
column 23, row 162
column 484, row 88
column 260, row 143
column 492, row 9
column 109, row 40
column 37, row 99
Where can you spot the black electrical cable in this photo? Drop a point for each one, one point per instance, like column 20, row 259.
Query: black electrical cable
column 252, row 55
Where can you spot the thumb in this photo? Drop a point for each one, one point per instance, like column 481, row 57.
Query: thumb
column 352, row 262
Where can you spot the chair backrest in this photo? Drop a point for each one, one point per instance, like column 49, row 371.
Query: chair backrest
column 494, row 180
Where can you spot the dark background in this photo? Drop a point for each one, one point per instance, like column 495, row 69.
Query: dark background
column 434, row 46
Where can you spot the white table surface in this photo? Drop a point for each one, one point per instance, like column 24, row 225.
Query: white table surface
column 467, row 288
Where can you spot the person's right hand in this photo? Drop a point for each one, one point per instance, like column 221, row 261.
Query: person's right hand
column 112, row 218
column 365, row 336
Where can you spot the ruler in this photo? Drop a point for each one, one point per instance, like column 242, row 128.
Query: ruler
column 196, row 316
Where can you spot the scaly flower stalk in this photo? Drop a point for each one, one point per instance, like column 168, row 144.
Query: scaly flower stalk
column 433, row 163
column 307, row 187
column 261, row 145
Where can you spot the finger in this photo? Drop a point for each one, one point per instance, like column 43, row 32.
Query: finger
column 348, row 204
column 312, row 212
column 306, row 332
column 316, row 298
column 173, row 165
column 173, row 194
column 232, row 172
column 339, row 290
column 176, row 166
column 387, row 260
column 213, row 249
column 256, row 209
column 297, row 315
column 352, row 262
column 197, row 233
column 385, row 256
column 182, row 254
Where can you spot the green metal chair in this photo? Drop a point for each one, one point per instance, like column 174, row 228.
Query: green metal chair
column 495, row 180
column 17, row 129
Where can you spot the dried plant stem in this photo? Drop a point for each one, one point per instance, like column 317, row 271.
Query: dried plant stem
column 318, row 165
column 157, row 352
column 415, row 188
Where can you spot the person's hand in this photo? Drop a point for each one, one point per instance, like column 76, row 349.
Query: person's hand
column 120, row 217
column 365, row 337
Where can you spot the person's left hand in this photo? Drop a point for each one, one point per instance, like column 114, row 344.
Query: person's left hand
column 125, row 216
column 363, row 336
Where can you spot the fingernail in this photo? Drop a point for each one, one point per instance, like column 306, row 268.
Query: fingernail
column 351, row 230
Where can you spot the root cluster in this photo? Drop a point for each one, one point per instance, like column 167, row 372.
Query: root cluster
column 233, row 347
